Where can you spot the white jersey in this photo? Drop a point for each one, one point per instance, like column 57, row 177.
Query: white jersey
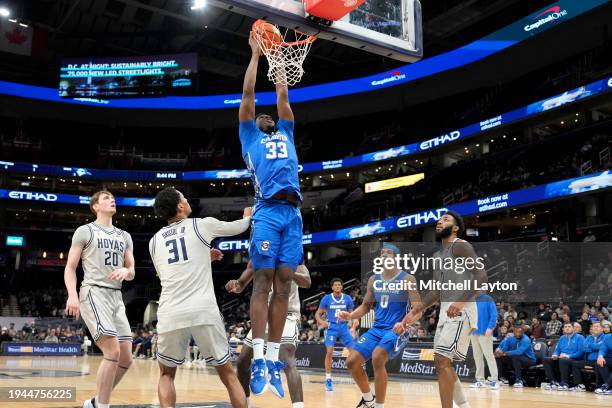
column 103, row 251
column 181, row 256
column 294, row 299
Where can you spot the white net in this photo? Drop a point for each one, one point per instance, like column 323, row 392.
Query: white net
column 285, row 53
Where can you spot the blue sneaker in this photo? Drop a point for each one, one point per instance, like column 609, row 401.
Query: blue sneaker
column 329, row 385
column 518, row 384
column 259, row 377
column 274, row 377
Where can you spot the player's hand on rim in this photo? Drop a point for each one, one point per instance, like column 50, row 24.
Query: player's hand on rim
column 119, row 274
column 72, row 307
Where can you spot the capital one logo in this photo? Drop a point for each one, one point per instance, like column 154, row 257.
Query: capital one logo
column 552, row 14
column 27, row 195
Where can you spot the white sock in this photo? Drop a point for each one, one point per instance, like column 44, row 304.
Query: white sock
column 298, row 405
column 377, row 405
column 258, row 347
column 367, row 396
column 272, row 352
column 328, row 376
column 248, row 402
column 100, row 405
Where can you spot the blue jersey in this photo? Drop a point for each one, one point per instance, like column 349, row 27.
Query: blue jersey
column 333, row 305
column 271, row 159
column 392, row 303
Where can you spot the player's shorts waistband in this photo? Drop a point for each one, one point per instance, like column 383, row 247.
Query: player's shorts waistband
column 281, row 198
column 100, row 286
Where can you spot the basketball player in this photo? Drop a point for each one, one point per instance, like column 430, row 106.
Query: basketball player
column 276, row 232
column 187, row 306
column 458, row 313
column 289, row 339
column 331, row 305
column 108, row 260
column 390, row 292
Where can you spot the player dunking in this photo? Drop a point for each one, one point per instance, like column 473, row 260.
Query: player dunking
column 331, row 305
column 458, row 312
column 187, row 306
column 276, row 231
column 289, row 339
column 380, row 343
column 108, row 260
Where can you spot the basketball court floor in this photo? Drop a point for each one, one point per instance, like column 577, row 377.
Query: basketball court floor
column 200, row 387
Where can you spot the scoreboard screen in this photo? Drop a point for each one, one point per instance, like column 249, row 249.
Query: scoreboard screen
column 142, row 76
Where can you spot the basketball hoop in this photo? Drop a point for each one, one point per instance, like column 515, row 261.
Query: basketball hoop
column 285, row 52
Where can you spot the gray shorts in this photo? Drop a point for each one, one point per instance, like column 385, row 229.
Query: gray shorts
column 210, row 338
column 103, row 312
column 290, row 332
column 452, row 338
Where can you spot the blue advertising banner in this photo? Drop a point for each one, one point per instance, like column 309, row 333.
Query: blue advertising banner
column 531, row 195
column 515, row 33
column 568, row 97
column 41, row 349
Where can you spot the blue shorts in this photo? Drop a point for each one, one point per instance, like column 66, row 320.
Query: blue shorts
column 276, row 235
column 383, row 338
column 339, row 333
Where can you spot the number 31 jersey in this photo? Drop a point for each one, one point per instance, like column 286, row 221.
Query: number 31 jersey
column 103, row 251
column 181, row 256
column 271, row 159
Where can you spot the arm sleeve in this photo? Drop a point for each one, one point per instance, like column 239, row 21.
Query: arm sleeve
column 286, row 127
column 215, row 228
column 503, row 345
column 247, row 130
column 82, row 236
column 603, row 350
column 559, row 347
column 492, row 316
column 521, row 348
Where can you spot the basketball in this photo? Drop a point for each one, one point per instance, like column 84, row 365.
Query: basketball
column 270, row 36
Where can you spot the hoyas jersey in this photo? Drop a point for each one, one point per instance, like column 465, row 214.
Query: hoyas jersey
column 103, row 252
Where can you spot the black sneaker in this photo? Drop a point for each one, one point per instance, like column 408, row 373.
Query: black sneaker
column 366, row 404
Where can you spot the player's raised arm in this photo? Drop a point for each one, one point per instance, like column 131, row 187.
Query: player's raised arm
column 216, row 228
column 302, row 277
column 283, row 107
column 247, row 104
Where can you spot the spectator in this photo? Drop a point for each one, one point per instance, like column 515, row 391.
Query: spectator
column 578, row 328
column 553, row 326
column 11, row 330
column 607, row 328
column 543, row 313
column 585, row 322
column 604, row 366
column 431, row 326
column 5, row 336
column 51, row 338
column 515, row 351
column 510, row 312
column 537, row 331
column 503, row 333
column 590, row 237
column 592, row 344
column 570, row 347
column 602, row 319
column 482, row 342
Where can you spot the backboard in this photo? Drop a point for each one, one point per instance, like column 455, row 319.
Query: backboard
column 392, row 28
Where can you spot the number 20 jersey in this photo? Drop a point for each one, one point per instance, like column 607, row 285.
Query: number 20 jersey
column 181, row 256
column 271, row 159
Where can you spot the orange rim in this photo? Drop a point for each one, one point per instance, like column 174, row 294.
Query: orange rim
column 308, row 39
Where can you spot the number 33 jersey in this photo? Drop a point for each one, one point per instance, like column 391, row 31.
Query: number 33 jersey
column 271, row 159
column 181, row 256
column 103, row 251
